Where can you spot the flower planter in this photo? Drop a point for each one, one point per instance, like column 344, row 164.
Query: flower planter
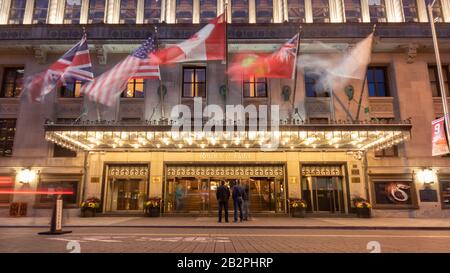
column 88, row 212
column 298, row 212
column 153, row 212
column 363, row 212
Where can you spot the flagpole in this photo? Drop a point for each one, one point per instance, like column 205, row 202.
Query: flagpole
column 296, row 71
column 226, row 61
column 363, row 84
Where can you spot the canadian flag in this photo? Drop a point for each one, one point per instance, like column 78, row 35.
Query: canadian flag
column 208, row 44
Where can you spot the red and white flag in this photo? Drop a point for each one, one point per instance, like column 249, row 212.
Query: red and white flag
column 208, row 44
column 279, row 64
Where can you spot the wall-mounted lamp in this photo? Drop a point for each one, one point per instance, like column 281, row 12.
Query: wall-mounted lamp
column 26, row 176
column 426, row 176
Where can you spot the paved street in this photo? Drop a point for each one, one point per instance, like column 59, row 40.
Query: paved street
column 184, row 240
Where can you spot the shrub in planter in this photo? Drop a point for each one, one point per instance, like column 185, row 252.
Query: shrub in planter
column 297, row 207
column 153, row 207
column 89, row 207
column 363, row 208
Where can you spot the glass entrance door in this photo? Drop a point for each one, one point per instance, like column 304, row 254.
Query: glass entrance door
column 126, row 195
column 324, row 193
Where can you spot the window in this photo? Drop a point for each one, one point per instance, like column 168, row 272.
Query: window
column 377, row 11
column 255, row 87
column 353, row 11
column 321, row 11
column 17, row 11
column 410, row 10
column 12, row 82
column 264, row 11
column 71, row 90
column 40, row 11
column 128, row 11
column 194, row 82
column 7, row 184
column 377, row 82
column 445, row 192
column 208, row 10
column 239, row 11
column 72, row 12
column 388, row 152
column 65, row 185
column 7, row 132
column 184, row 11
column 434, row 80
column 96, row 11
column 314, row 87
column 394, row 193
column 59, row 151
column 135, row 89
column 152, row 11
column 296, row 11
column 437, row 10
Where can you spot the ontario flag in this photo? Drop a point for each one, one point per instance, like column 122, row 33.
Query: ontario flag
column 208, row 44
column 74, row 65
column 279, row 64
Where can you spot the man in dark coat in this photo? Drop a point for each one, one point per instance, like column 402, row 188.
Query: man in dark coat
column 223, row 195
column 237, row 200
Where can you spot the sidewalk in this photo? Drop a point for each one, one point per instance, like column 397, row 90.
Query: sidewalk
column 260, row 223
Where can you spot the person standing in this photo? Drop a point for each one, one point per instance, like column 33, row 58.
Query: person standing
column 237, row 201
column 223, row 195
column 245, row 199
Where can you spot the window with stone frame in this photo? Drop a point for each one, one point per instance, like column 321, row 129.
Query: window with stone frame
column 321, row 11
column 6, row 184
column 7, row 133
column 71, row 90
column 72, row 12
column 437, row 10
column 184, row 11
column 296, row 11
column 135, row 89
column 128, row 11
column 12, row 82
column 255, row 87
column 40, row 11
column 96, row 11
column 314, row 86
column 410, row 11
column 208, row 10
column 377, row 11
column 434, row 80
column 377, row 81
column 264, row 11
column 391, row 151
column 152, row 11
column 239, row 11
column 194, row 82
column 353, row 11
column 17, row 11
column 63, row 184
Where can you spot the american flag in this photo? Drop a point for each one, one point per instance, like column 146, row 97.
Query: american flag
column 106, row 88
column 74, row 65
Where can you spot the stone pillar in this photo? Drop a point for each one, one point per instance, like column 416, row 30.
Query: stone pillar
column 196, row 12
column 113, row 11
column 140, row 12
column 394, row 12
column 422, row 11
column 336, row 11
column 252, row 11
column 56, row 11
column 446, row 10
column 28, row 15
column 365, row 14
column 293, row 175
column 5, row 6
column 285, row 11
column 156, row 175
column 163, row 11
column 84, row 12
column 277, row 11
column 308, row 11
column 170, row 11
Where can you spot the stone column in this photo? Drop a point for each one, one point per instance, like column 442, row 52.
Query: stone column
column 293, row 175
column 365, row 14
column 140, row 12
column 277, row 11
column 394, row 12
column 196, row 12
column 422, row 11
column 28, row 15
column 336, row 11
column 5, row 6
column 446, row 10
column 156, row 175
column 308, row 11
column 285, row 11
column 112, row 11
column 170, row 11
column 163, row 11
column 252, row 11
column 84, row 12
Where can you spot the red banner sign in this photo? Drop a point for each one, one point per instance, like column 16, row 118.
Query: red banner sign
column 439, row 141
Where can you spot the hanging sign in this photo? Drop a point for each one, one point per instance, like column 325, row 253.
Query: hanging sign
column 439, row 138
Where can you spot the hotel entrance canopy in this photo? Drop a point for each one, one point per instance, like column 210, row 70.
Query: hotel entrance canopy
column 156, row 136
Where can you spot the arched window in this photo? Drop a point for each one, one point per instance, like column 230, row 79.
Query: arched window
column 239, row 11
column 184, row 11
column 208, row 10
column 353, row 11
column 437, row 10
column 377, row 11
column 16, row 11
column 40, row 11
column 296, row 11
column 72, row 12
column 96, row 11
column 152, row 11
column 321, row 11
column 128, row 11
column 264, row 11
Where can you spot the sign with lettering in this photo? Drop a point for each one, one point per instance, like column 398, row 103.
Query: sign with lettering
column 439, row 139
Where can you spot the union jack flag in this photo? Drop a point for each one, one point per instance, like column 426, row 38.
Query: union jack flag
column 106, row 88
column 74, row 65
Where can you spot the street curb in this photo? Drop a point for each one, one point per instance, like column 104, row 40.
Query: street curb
column 246, row 227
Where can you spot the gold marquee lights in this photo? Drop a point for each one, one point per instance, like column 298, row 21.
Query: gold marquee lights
column 340, row 138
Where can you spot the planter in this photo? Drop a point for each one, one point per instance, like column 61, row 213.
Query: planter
column 363, row 212
column 298, row 212
column 153, row 212
column 88, row 212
